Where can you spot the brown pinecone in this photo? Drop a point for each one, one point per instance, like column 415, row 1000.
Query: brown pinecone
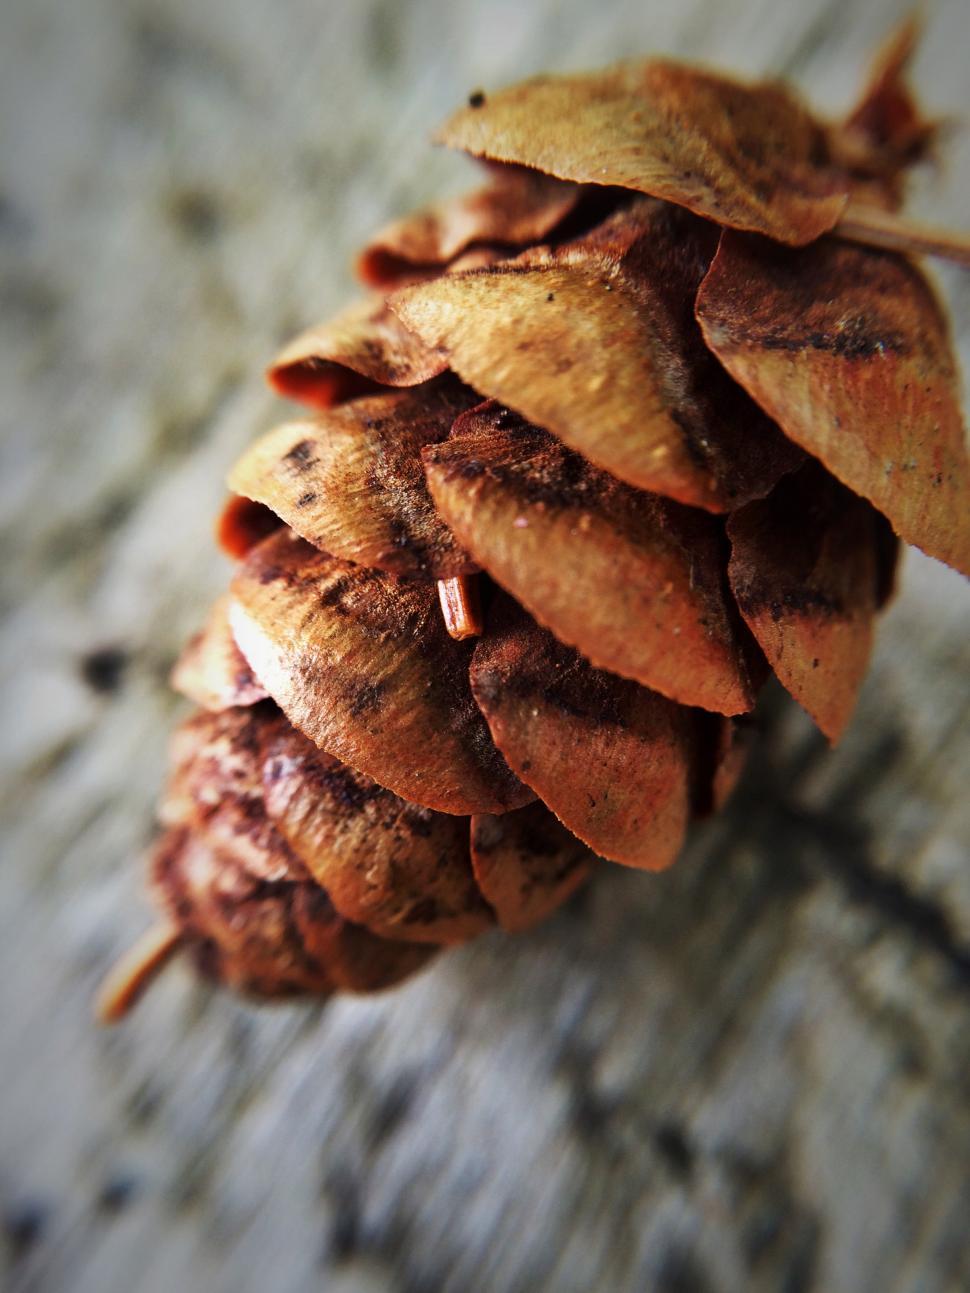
column 615, row 435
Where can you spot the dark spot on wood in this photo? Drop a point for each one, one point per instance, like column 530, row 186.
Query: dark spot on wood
column 671, row 1143
column 394, row 1105
column 383, row 37
column 679, row 1273
column 306, row 499
column 14, row 222
column 53, row 757
column 117, row 1193
column 143, row 1105
column 103, row 669
column 802, row 1260
column 27, row 301
column 761, row 1234
column 343, row 1194
column 167, row 50
column 196, row 214
column 590, row 1112
column 24, row 1223
column 833, row 842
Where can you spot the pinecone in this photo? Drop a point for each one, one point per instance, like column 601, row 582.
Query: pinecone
column 614, row 436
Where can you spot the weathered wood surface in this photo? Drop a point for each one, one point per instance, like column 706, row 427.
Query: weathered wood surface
column 750, row 1073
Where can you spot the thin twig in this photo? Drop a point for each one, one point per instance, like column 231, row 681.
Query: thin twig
column 877, row 228
column 135, row 971
column 461, row 606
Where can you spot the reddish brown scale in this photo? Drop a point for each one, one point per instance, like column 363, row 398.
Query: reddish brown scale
column 350, row 481
column 361, row 663
column 242, row 524
column 597, row 342
column 401, row 870
column 212, row 670
column 837, row 337
column 527, row 864
column 752, row 157
column 610, row 758
column 633, row 581
column 216, row 786
column 516, row 207
column 804, row 571
column 361, row 351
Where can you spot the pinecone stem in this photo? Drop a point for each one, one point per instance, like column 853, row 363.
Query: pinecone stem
column 461, row 606
column 135, row 972
column 877, row 228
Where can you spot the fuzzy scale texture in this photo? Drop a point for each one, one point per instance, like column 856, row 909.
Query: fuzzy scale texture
column 747, row 1072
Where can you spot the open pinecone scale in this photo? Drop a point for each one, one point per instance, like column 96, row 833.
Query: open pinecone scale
column 610, row 439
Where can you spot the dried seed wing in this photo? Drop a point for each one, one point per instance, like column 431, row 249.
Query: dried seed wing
column 744, row 155
column 804, row 572
column 360, row 351
column 633, row 581
column 527, row 864
column 610, row 758
column 361, row 663
column 597, row 342
column 350, row 480
column 847, row 348
column 212, row 670
column 242, row 524
column 886, row 132
column 516, row 207
column 400, row 870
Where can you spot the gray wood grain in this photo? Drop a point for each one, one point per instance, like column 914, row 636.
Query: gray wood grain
column 749, row 1073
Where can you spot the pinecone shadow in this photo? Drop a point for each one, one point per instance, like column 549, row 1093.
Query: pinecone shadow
column 717, row 923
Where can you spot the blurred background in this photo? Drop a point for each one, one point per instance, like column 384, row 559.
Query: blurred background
column 749, row 1073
